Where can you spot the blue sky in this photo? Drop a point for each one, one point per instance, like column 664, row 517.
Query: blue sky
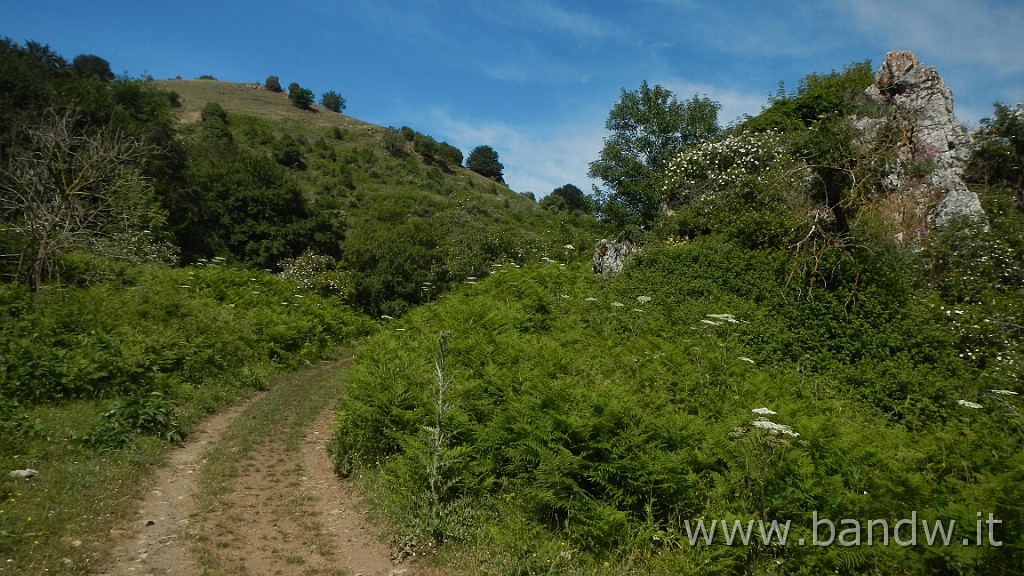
column 535, row 79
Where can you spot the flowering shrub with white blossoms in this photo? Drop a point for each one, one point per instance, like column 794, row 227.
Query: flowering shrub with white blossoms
column 317, row 273
column 712, row 167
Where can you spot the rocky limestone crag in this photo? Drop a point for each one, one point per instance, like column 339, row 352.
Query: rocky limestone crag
column 926, row 185
column 609, row 257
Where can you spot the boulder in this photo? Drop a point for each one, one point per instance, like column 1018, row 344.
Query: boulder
column 609, row 257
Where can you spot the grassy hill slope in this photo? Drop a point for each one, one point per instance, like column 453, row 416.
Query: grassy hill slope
column 406, row 222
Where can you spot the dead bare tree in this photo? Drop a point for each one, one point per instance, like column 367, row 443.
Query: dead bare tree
column 69, row 189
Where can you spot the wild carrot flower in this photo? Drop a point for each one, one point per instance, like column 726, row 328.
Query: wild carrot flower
column 774, row 427
column 764, row 411
column 969, row 404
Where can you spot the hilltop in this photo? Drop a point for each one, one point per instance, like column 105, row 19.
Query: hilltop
column 252, row 99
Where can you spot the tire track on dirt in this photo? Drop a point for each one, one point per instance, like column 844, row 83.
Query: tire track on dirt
column 281, row 511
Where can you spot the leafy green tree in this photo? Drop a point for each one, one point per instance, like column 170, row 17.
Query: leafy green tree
column 484, row 161
column 273, row 84
column 573, row 199
column 999, row 155
column 301, row 98
column 332, row 101
column 554, row 202
column 89, row 66
column 649, row 126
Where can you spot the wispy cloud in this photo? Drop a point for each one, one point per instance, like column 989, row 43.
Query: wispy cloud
column 549, row 15
column 986, row 34
column 975, row 46
column 536, row 159
column 735, row 103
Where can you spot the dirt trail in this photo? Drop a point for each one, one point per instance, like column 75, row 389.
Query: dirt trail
column 284, row 513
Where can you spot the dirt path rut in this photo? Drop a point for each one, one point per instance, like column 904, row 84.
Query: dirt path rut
column 281, row 509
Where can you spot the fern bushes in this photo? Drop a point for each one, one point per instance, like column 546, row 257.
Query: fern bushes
column 163, row 337
column 590, row 425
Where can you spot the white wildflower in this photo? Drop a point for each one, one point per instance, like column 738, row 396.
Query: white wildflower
column 969, row 404
column 386, row 317
column 711, row 322
column 726, row 317
column 775, row 427
column 591, row 299
column 764, row 411
column 570, row 247
column 643, row 299
column 618, row 304
column 1005, row 392
column 745, row 359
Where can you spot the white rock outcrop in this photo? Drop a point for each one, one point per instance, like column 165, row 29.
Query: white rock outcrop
column 933, row 148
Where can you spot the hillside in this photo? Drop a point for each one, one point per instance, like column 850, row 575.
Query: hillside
column 248, row 100
column 401, row 218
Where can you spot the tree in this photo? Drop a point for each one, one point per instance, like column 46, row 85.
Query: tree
column 332, row 101
column 649, row 126
column 484, row 161
column 273, row 84
column 998, row 157
column 301, row 98
column 66, row 190
column 89, row 66
column 575, row 199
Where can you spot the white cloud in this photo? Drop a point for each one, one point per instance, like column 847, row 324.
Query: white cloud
column 536, row 159
column 549, row 15
column 734, row 102
column 978, row 33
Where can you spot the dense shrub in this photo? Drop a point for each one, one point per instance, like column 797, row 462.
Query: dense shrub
column 165, row 331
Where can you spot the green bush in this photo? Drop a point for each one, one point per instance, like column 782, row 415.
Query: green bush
column 164, row 330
